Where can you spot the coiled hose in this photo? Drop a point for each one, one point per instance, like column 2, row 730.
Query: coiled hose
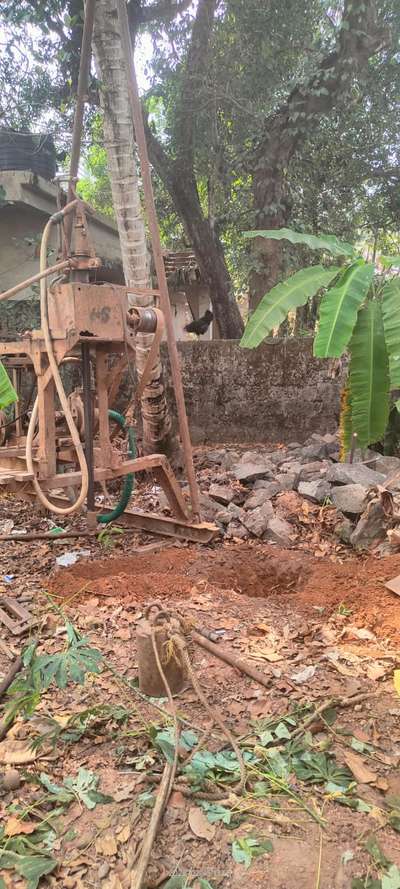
column 129, row 480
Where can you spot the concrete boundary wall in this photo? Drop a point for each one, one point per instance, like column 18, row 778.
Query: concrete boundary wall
column 275, row 393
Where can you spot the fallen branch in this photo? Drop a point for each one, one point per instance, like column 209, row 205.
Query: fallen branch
column 139, row 874
column 231, row 659
column 8, row 679
column 331, row 702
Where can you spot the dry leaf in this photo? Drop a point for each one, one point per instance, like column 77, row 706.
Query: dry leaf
column 14, row 753
column 123, row 633
column 263, row 652
column 177, row 800
column 106, row 844
column 376, row 671
column 112, row 882
column 199, row 824
column 361, row 772
column 382, row 784
column 396, row 681
column 14, row 826
column 128, row 789
column 123, row 835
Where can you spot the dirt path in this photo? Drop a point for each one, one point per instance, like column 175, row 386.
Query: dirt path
column 317, row 628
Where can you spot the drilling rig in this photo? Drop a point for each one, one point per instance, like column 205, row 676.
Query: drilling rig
column 70, row 444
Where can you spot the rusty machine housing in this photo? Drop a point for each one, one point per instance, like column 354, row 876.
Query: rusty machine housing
column 93, row 321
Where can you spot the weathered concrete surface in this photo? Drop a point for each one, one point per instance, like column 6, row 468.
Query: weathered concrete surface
column 277, row 392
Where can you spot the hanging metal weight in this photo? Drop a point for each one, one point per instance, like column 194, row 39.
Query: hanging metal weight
column 150, row 679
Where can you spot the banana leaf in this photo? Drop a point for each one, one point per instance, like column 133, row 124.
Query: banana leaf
column 276, row 304
column 391, row 323
column 369, row 376
column 320, row 242
column 338, row 310
column 390, row 261
column 8, row 394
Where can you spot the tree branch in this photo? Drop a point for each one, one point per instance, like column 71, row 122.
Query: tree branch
column 163, row 11
column 359, row 39
column 195, row 68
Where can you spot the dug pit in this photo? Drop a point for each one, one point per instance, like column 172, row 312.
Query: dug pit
column 174, row 573
column 246, row 569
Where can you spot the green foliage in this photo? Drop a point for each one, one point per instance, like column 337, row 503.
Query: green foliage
column 338, row 310
column 88, row 721
column 40, row 671
column 107, row 537
column 390, row 261
column 286, row 296
column 369, row 376
column 359, row 312
column 318, row 768
column 215, row 812
column 83, row 788
column 180, row 882
column 245, row 849
column 391, row 323
column 329, row 243
column 31, row 867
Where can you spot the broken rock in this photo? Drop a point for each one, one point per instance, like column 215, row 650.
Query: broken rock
column 256, row 499
column 350, row 498
column 271, row 488
column 279, row 531
column 222, row 494
column 256, row 520
column 310, row 472
column 287, row 481
column 314, row 451
column 387, row 465
column 354, row 474
column 235, row 529
column 316, row 491
column 370, row 527
column 344, row 530
column 248, row 472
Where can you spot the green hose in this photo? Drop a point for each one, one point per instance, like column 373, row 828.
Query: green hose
column 128, row 480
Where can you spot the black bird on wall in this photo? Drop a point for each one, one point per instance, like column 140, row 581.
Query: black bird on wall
column 201, row 325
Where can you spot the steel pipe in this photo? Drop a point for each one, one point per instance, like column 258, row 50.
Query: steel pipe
column 137, row 118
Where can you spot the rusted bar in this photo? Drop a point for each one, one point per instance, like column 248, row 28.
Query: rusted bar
column 58, row 267
column 88, row 419
column 138, row 126
column 83, row 81
column 231, row 659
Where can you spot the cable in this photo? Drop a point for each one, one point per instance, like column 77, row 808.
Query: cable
column 60, row 391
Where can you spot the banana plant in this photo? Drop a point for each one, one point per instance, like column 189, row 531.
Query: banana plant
column 359, row 313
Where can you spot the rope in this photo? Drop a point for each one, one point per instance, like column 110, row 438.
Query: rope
column 180, row 627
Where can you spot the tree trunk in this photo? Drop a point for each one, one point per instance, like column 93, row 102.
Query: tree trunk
column 121, row 155
column 210, row 256
column 359, row 38
column 181, row 185
column 271, row 211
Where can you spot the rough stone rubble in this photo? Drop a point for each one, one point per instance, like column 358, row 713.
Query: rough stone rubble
column 241, row 492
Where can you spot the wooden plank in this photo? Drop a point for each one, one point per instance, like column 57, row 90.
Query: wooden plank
column 47, row 428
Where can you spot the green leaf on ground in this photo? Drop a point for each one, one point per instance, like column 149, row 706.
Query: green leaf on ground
column 84, row 786
column 391, row 880
column 247, row 848
column 215, row 812
column 372, row 846
column 31, row 867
